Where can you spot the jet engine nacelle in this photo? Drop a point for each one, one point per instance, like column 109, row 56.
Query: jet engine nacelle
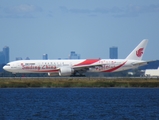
column 65, row 71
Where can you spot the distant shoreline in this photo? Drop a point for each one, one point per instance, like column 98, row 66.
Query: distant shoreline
column 78, row 82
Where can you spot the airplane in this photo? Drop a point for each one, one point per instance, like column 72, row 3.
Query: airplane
column 76, row 67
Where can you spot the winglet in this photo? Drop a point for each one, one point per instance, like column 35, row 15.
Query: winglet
column 138, row 52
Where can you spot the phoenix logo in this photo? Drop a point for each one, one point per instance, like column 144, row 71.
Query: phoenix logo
column 139, row 52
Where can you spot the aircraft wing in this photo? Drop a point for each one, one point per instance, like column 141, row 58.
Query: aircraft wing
column 86, row 67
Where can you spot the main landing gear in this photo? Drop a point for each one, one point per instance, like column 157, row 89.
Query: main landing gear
column 78, row 74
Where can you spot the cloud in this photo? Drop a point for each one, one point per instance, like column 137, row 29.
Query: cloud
column 50, row 14
column 135, row 10
column 23, row 10
column 127, row 11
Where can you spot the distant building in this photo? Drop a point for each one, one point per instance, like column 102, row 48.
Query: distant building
column 18, row 58
column 45, row 57
column 27, row 58
column 2, row 58
column 4, row 55
column 113, row 52
column 73, row 55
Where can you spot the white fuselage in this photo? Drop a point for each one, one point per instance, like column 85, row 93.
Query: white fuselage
column 52, row 66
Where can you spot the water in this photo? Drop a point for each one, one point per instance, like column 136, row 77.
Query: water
column 79, row 104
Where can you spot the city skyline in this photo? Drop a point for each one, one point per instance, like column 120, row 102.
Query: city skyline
column 31, row 28
column 4, row 55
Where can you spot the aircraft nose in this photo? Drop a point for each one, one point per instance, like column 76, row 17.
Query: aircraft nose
column 4, row 67
column 7, row 68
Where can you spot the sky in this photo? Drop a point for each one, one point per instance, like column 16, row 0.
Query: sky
column 89, row 27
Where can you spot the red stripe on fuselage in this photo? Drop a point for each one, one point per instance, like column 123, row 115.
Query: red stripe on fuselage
column 87, row 62
column 115, row 68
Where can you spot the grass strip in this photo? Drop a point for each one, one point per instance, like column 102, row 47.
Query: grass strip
column 76, row 82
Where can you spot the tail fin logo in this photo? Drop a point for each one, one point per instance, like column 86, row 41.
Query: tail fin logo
column 139, row 52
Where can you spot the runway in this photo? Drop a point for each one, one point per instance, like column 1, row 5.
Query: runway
column 81, row 78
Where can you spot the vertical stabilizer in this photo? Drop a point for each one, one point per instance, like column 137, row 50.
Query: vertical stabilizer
column 138, row 52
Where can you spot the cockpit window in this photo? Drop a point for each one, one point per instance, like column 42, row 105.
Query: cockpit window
column 8, row 65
